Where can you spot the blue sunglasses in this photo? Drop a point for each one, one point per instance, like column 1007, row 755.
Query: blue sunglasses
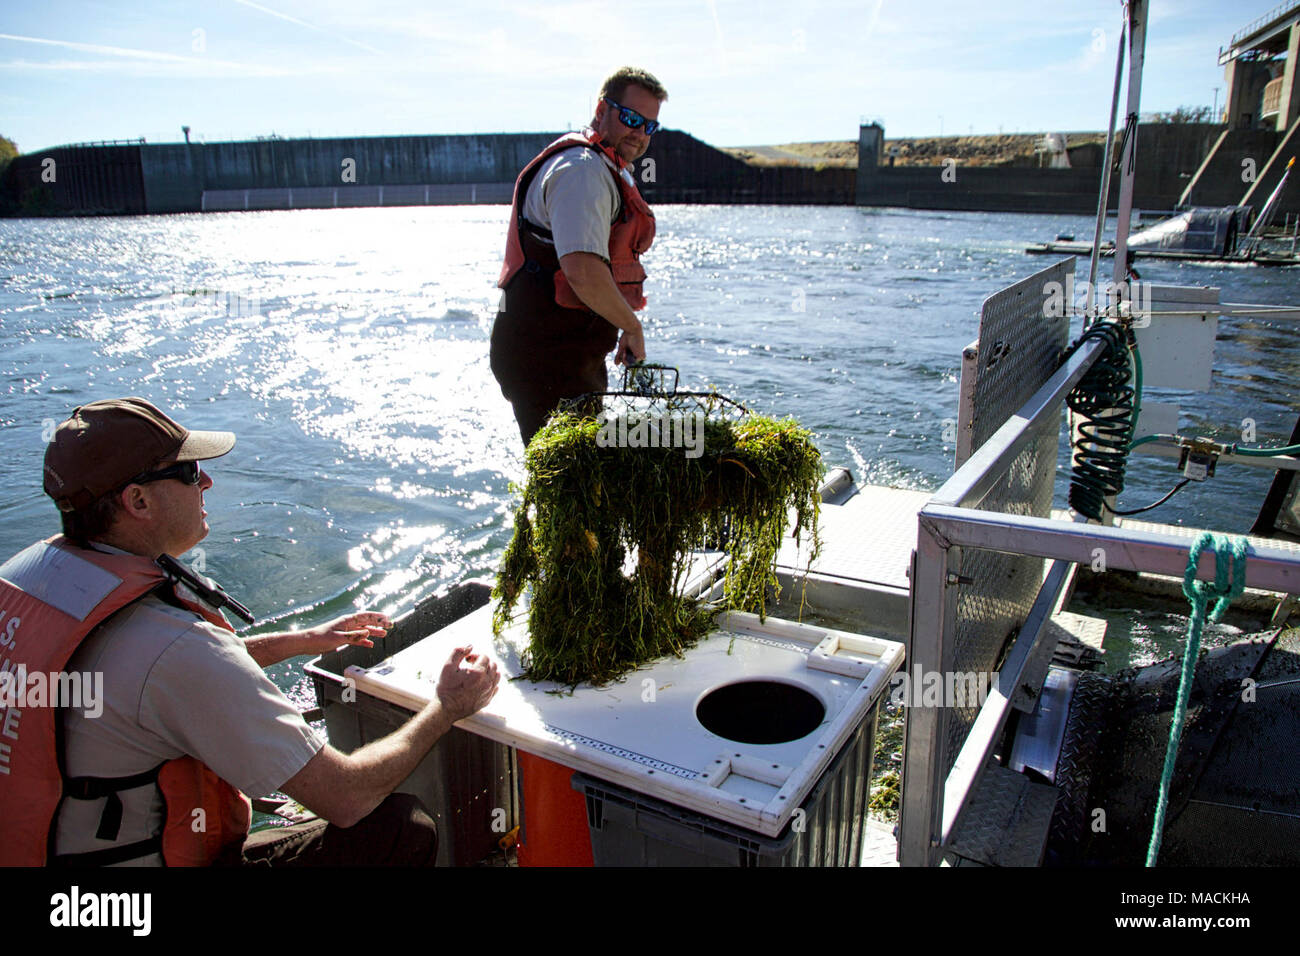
column 634, row 120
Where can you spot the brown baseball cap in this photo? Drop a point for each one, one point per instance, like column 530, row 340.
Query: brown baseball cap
column 103, row 445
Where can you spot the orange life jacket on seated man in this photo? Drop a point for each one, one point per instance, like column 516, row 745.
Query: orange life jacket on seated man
column 52, row 596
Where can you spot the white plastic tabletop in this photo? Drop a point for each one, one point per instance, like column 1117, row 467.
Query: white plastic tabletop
column 643, row 734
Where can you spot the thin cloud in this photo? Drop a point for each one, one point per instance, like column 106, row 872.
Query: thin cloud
column 143, row 62
column 303, row 23
column 96, row 48
column 197, row 69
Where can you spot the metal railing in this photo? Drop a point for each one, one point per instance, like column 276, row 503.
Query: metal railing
column 100, row 142
column 1280, row 12
column 938, row 783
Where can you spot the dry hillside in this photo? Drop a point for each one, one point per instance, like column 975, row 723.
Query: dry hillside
column 912, row 151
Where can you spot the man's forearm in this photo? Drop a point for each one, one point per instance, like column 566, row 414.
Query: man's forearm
column 268, row 649
column 344, row 788
column 594, row 284
column 381, row 765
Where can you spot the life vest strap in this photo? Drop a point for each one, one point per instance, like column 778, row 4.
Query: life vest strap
column 93, row 788
column 114, row 854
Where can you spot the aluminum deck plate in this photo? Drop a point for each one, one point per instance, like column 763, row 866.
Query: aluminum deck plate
column 879, row 845
column 869, row 538
column 1007, row 820
column 1181, row 531
column 643, row 733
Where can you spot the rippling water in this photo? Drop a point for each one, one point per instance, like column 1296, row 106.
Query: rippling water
column 348, row 350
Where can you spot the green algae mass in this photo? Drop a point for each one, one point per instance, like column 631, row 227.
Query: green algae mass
column 588, row 505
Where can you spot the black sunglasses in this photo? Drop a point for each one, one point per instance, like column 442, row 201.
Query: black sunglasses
column 185, row 471
column 634, row 120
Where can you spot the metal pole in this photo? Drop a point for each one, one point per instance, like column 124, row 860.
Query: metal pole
column 1137, row 35
column 925, row 730
column 984, row 734
column 1105, row 181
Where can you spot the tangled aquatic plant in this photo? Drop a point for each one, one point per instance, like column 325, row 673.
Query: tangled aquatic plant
column 588, row 505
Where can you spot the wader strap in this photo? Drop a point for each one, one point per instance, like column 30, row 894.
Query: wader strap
column 539, row 232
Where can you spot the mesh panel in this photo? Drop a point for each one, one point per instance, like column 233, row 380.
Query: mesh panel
column 1019, row 346
column 991, row 609
column 1019, row 349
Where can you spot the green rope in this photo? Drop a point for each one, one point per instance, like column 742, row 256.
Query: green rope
column 1229, row 581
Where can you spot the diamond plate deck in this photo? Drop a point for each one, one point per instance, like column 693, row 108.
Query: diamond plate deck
column 1007, row 820
column 1180, row 531
column 869, row 538
column 879, row 845
column 1086, row 630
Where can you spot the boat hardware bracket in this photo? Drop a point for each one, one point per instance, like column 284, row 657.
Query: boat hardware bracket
column 1198, row 456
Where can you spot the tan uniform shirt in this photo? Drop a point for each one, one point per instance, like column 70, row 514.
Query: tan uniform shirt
column 574, row 196
column 173, row 684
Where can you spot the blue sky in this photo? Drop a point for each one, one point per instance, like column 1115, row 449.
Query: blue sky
column 738, row 73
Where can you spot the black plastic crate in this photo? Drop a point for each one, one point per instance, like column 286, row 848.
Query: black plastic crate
column 469, row 783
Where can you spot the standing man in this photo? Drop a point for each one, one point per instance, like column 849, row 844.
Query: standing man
column 183, row 718
column 572, row 274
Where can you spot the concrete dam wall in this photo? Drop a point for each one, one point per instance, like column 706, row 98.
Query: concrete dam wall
column 1169, row 157
column 176, row 176
column 374, row 171
column 133, row 178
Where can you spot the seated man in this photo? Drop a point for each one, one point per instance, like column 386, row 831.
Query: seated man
column 153, row 772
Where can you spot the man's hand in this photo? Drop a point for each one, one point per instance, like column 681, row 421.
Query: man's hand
column 343, row 788
column 591, row 280
column 631, row 348
column 357, row 628
column 467, row 682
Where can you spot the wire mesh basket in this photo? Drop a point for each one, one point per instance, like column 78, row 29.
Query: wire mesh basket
column 651, row 389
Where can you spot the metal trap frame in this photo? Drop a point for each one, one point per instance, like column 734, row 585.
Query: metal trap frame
column 646, row 389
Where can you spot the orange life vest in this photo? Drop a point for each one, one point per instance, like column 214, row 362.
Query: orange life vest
column 52, row 596
column 630, row 235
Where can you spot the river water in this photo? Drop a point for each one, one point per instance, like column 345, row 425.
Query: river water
column 348, row 350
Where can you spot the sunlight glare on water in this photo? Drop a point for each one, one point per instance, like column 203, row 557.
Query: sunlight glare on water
column 348, row 349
